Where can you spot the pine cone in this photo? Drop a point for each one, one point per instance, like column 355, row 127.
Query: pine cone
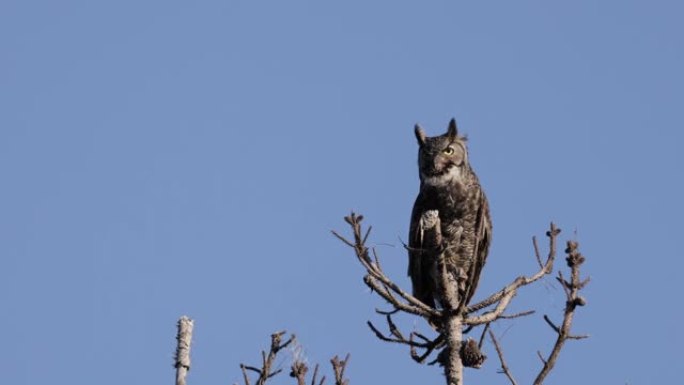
column 471, row 356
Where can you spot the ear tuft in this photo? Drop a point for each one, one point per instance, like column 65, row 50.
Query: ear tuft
column 420, row 135
column 452, row 131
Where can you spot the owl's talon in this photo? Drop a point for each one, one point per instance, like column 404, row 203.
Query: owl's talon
column 429, row 219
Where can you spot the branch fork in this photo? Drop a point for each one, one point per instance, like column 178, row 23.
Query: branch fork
column 452, row 318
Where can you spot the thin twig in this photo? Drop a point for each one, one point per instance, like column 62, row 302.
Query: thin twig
column 551, row 324
column 338, row 368
column 537, row 254
column 267, row 360
column 517, row 315
column 315, row 374
column 397, row 337
column 376, row 278
column 511, row 289
column 341, row 238
column 499, row 352
column 252, row 368
column 543, row 360
column 429, row 347
column 244, row 374
column 383, row 312
column 482, row 336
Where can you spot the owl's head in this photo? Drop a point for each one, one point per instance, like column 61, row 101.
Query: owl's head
column 441, row 159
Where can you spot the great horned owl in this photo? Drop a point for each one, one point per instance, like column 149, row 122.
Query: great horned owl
column 450, row 189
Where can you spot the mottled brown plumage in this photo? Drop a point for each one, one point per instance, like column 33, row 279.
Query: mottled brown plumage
column 450, row 189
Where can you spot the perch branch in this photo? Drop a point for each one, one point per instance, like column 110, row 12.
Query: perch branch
column 449, row 321
column 376, row 278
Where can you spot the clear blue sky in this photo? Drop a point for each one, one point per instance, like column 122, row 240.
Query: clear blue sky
column 160, row 158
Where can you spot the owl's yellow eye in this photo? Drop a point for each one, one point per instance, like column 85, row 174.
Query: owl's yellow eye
column 448, row 151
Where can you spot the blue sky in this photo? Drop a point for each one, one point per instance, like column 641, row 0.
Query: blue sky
column 168, row 158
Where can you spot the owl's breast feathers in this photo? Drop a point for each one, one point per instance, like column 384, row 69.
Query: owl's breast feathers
column 466, row 235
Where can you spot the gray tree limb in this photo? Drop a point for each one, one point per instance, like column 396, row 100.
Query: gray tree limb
column 182, row 357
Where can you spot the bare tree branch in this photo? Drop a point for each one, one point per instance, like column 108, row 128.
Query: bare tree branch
column 451, row 356
column 450, row 320
column 574, row 260
column 537, row 254
column 376, row 278
column 338, row 367
column 499, row 352
column 315, row 377
column 543, row 360
column 265, row 372
column 511, row 289
column 398, row 337
column 298, row 370
column 244, row 374
column 571, row 288
column 482, row 336
column 517, row 315
column 182, row 359
column 430, row 346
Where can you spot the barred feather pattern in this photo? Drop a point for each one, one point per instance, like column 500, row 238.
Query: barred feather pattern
column 451, row 188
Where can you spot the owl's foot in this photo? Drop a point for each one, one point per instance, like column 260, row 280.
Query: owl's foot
column 429, row 228
column 429, row 219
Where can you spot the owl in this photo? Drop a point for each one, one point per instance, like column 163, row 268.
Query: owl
column 449, row 190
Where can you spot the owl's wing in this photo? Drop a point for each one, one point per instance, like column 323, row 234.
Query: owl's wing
column 483, row 237
column 418, row 268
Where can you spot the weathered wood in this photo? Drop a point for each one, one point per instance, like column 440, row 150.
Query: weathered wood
column 184, row 338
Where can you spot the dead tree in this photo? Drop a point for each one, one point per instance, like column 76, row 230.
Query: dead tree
column 452, row 321
column 264, row 372
column 298, row 369
column 182, row 356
